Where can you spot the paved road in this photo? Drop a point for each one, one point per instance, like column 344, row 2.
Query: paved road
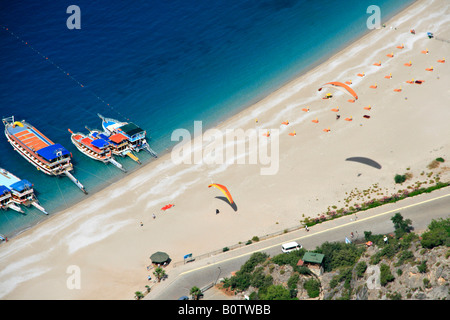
column 420, row 209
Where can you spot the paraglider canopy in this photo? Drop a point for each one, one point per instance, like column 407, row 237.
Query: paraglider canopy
column 340, row 86
column 224, row 191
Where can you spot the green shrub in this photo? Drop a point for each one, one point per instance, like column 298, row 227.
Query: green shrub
column 277, row 292
column 422, row 267
column 440, row 159
column 312, row 287
column 361, row 269
column 339, row 254
column 399, row 178
column 385, row 274
column 438, row 234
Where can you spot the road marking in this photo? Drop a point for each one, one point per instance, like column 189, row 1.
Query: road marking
column 316, row 233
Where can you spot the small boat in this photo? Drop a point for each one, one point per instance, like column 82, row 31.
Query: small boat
column 15, row 192
column 97, row 149
column 48, row 157
column 118, row 143
column 135, row 134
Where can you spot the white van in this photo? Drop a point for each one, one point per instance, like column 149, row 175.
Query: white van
column 290, row 246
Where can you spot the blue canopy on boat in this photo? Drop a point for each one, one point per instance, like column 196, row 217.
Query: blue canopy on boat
column 21, row 185
column 52, row 152
column 100, row 143
column 4, row 190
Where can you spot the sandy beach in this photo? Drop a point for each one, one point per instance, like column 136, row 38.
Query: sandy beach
column 110, row 236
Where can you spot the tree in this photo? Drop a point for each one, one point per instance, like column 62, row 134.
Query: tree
column 401, row 226
column 159, row 273
column 196, row 293
column 138, row 295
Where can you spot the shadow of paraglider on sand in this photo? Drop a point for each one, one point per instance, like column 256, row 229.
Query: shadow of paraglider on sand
column 232, row 205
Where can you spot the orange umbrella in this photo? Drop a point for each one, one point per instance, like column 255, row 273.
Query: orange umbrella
column 374, row 86
column 361, row 74
column 267, row 134
column 368, row 108
column 398, row 90
column 327, row 130
column 389, row 76
column 410, row 81
column 409, row 64
column 335, row 110
column 441, row 61
column 378, row 64
column 425, row 51
column 348, row 82
column 315, row 120
column 390, row 55
column 429, row 69
column 292, row 133
column 400, row 47
column 348, row 119
column 285, row 122
column 351, row 100
column 306, row 109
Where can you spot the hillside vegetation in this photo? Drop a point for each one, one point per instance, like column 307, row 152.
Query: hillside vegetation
column 403, row 265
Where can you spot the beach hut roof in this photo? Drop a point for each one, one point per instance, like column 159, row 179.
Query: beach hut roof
column 159, row 257
column 313, row 257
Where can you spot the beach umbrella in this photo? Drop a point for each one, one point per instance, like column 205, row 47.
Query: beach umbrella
column 159, row 257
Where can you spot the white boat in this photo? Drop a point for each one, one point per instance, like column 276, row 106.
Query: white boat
column 135, row 134
column 97, row 149
column 16, row 192
column 119, row 144
column 48, row 157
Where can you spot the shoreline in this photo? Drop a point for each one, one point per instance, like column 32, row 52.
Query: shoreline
column 219, row 123
column 98, row 226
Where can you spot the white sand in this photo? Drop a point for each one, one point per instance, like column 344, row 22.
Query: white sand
column 103, row 237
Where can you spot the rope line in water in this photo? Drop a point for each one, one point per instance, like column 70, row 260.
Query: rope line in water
column 67, row 74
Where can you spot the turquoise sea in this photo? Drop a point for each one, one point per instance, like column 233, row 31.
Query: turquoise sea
column 161, row 64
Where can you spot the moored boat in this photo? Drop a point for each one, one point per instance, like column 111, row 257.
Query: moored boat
column 21, row 192
column 119, row 144
column 48, row 157
column 97, row 149
column 135, row 134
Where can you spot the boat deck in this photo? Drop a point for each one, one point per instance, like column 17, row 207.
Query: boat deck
column 31, row 139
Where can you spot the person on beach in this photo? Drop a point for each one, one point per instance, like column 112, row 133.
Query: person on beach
column 217, row 211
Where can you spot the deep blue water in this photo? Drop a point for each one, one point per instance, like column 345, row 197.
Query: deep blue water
column 161, row 64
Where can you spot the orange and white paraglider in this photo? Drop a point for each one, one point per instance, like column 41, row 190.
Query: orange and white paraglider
column 340, row 86
column 224, row 190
